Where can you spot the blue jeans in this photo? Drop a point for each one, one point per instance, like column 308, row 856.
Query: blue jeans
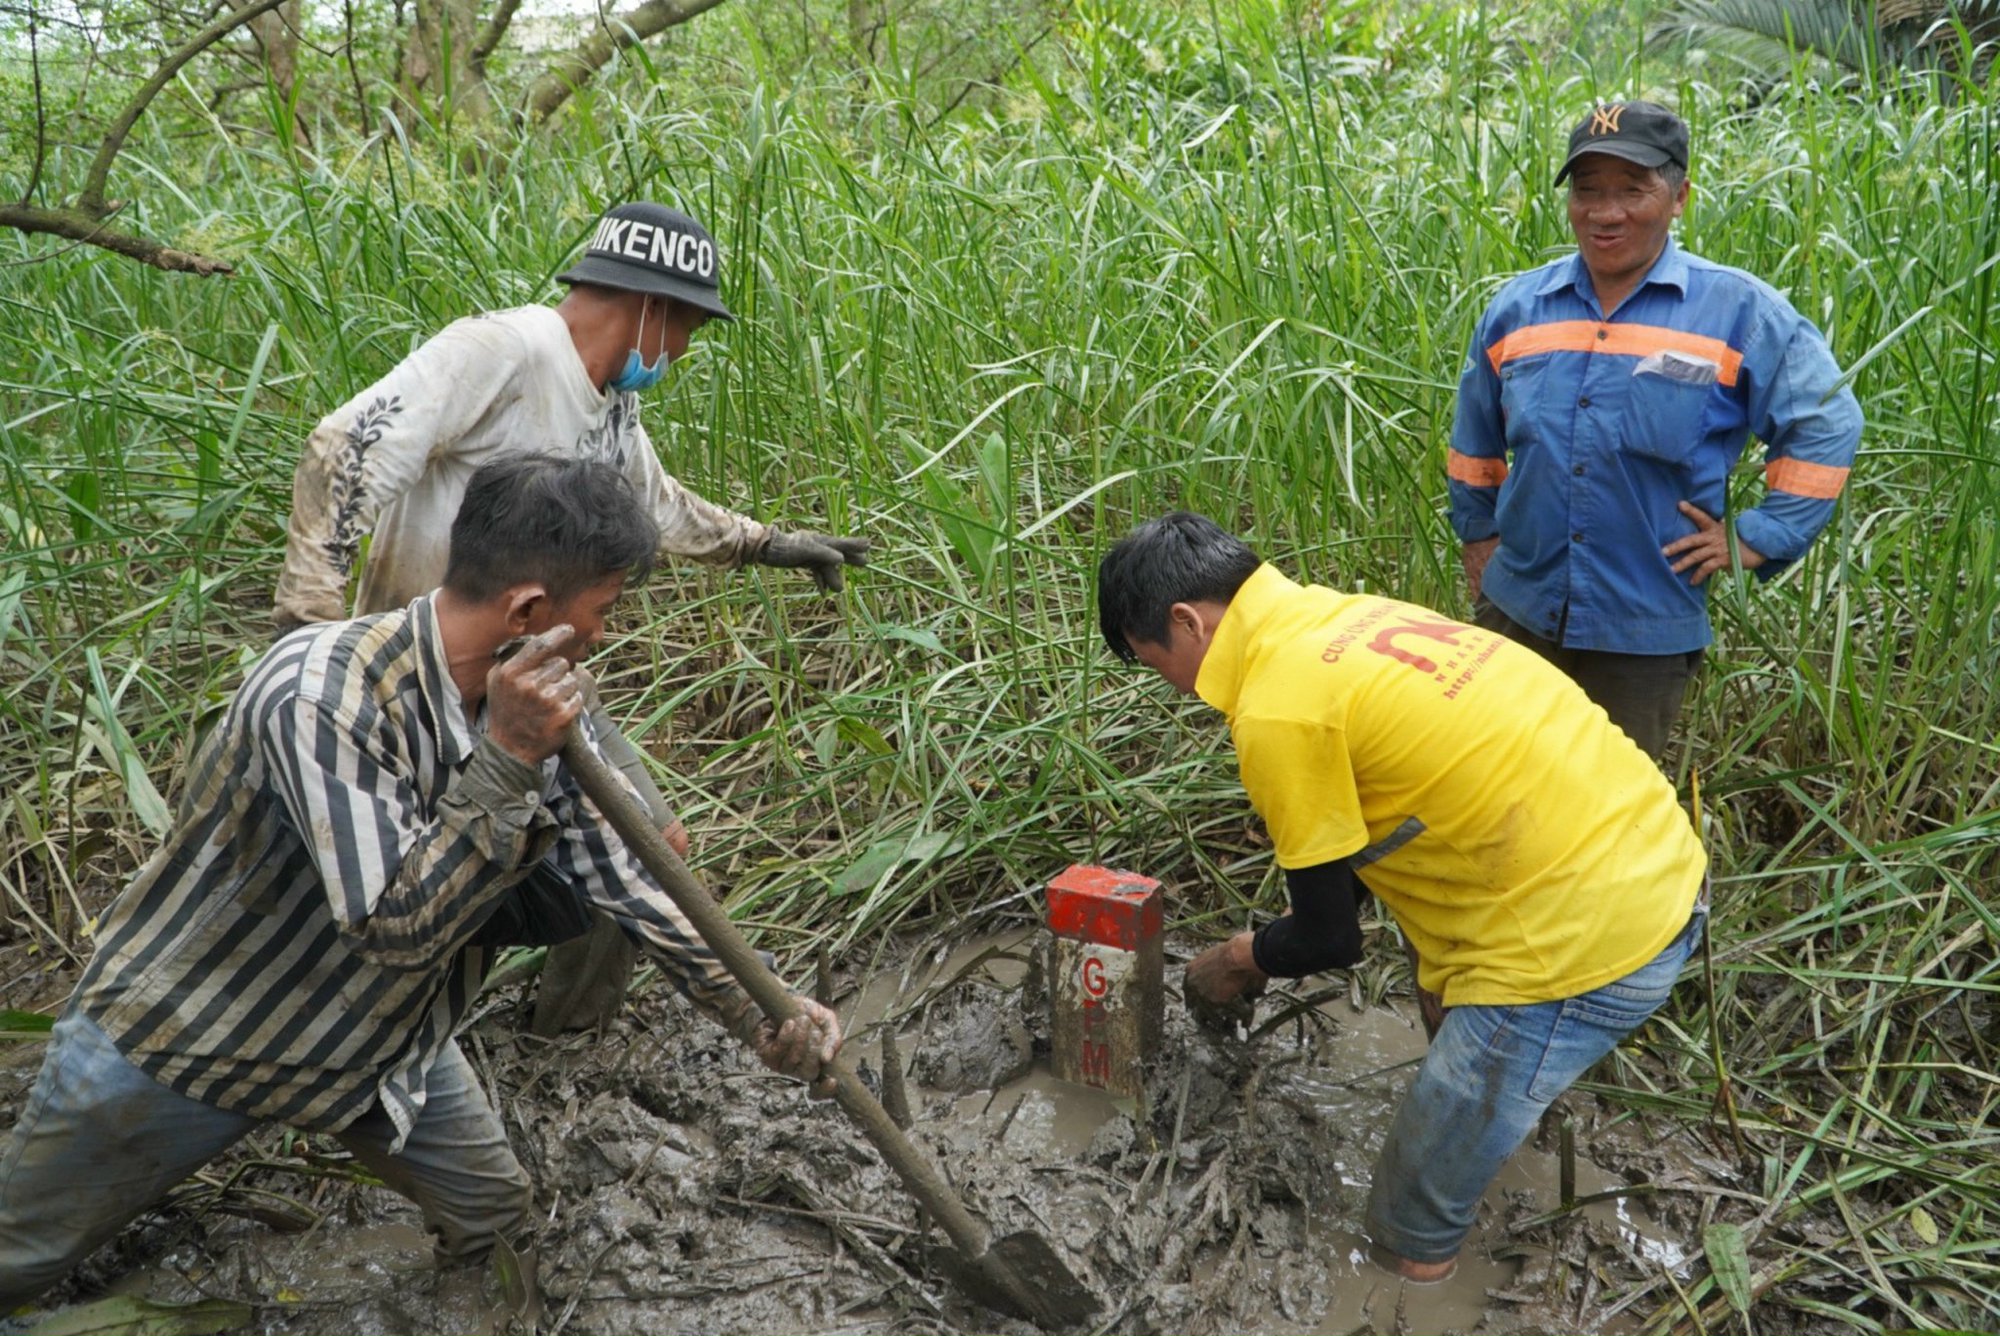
column 100, row 1141
column 1489, row 1074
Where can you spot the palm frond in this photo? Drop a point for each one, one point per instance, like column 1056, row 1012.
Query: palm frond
column 1765, row 37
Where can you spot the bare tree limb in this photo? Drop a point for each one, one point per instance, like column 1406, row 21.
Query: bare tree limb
column 577, row 66
column 91, row 199
column 491, row 35
column 993, row 79
column 41, row 118
column 363, row 119
column 93, row 229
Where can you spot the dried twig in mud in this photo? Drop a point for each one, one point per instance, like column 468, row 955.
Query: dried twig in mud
column 582, row 1285
column 1209, row 1200
column 1300, row 1008
column 1215, row 1293
column 1694, row 1313
column 850, row 1228
column 205, row 1194
column 1725, row 1091
column 693, row 1291
column 895, row 1230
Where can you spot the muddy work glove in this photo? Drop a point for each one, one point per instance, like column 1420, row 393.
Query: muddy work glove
column 803, row 1047
column 822, row 554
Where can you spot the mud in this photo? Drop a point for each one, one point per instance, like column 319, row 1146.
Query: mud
column 683, row 1189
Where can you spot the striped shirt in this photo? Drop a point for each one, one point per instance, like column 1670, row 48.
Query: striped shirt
column 301, row 946
column 1613, row 418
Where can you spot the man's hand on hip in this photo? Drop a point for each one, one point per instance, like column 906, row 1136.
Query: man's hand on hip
column 1706, row 550
column 1474, row 556
column 822, row 554
column 1223, row 984
column 533, row 696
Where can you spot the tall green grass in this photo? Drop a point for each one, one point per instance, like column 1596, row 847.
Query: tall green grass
column 1222, row 261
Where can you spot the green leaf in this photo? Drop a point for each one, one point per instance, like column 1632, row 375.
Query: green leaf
column 142, row 1317
column 879, row 857
column 866, row 870
column 1729, row 1259
column 118, row 750
column 81, row 487
column 865, row 736
column 36, row 1025
column 916, row 636
column 10, row 602
column 1923, row 1226
column 991, row 458
column 211, row 511
column 516, row 1275
column 926, row 847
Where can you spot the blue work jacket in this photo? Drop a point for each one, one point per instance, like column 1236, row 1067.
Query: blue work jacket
column 1578, row 433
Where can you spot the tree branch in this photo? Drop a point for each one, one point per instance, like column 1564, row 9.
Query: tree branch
column 41, row 118
column 364, row 120
column 491, row 35
column 92, row 229
column 575, row 67
column 91, row 199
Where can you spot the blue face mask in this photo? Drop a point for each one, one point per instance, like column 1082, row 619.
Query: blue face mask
column 636, row 375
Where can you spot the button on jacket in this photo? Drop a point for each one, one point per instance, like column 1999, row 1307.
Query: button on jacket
column 1578, row 434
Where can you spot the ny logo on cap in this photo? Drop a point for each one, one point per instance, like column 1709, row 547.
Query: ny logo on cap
column 1604, row 120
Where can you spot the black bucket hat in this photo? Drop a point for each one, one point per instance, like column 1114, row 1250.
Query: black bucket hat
column 1642, row 132
column 646, row 247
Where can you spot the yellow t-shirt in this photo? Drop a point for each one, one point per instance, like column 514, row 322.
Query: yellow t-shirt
column 1526, row 846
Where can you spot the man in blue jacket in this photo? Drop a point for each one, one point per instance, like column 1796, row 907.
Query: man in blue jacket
column 1624, row 381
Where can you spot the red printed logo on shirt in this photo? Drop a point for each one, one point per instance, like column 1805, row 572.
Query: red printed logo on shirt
column 1443, row 632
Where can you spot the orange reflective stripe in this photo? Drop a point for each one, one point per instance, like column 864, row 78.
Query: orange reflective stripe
column 1582, row 336
column 1474, row 471
column 1820, row 481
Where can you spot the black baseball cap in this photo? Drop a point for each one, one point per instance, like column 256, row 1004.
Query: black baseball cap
column 1642, row 132
column 646, row 247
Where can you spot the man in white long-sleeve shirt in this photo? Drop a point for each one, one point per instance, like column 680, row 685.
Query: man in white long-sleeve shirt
column 391, row 465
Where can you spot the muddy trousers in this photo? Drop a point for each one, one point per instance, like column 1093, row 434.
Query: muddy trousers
column 100, row 1142
column 1488, row 1076
column 584, row 980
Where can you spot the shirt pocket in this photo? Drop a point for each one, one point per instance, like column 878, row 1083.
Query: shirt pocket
column 1521, row 386
column 1665, row 405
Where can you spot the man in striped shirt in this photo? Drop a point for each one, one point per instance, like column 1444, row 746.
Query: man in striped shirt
column 381, row 806
column 1624, row 382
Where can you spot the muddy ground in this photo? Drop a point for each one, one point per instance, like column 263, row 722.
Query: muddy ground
column 684, row 1189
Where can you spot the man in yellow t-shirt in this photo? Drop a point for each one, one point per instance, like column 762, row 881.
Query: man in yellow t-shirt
column 1535, row 859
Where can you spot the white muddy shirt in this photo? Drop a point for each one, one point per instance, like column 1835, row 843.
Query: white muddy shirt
column 394, row 461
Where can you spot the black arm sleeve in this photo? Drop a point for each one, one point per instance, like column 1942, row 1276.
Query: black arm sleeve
column 541, row 909
column 1322, row 932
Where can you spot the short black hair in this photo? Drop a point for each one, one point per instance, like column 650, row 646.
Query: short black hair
column 568, row 523
column 1180, row 557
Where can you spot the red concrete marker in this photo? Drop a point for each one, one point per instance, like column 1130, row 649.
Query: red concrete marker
column 1107, row 983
